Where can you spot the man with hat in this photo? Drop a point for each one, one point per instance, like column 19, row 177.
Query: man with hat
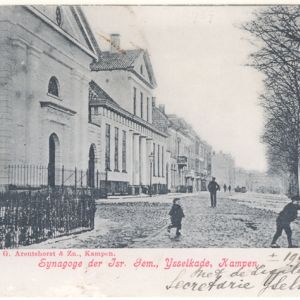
column 285, row 217
column 213, row 187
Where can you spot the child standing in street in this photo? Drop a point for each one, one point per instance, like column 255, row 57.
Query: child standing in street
column 176, row 214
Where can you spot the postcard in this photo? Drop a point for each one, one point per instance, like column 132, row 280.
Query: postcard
column 149, row 150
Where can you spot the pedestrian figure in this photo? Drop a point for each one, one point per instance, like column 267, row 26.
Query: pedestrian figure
column 229, row 188
column 285, row 217
column 176, row 214
column 213, row 187
column 225, row 187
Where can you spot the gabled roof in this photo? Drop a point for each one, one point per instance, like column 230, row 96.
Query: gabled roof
column 124, row 60
column 89, row 33
column 99, row 94
column 181, row 125
column 74, row 25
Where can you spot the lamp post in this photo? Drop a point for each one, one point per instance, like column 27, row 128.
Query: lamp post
column 151, row 157
column 106, row 182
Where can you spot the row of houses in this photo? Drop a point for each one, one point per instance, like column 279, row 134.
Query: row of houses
column 260, row 182
column 223, row 168
column 72, row 113
column 227, row 173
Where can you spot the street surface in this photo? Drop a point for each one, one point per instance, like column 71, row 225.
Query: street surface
column 239, row 221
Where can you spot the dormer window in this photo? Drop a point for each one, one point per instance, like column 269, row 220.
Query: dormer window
column 58, row 16
column 53, row 87
column 142, row 70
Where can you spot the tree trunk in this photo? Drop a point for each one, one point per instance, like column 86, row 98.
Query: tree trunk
column 297, row 178
column 293, row 184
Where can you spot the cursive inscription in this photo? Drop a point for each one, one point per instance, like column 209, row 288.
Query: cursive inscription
column 216, row 282
column 263, row 279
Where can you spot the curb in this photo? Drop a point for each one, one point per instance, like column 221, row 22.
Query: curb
column 145, row 198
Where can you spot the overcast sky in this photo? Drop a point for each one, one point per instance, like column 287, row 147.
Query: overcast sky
column 198, row 56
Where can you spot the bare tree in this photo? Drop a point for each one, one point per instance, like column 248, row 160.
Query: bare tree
column 276, row 32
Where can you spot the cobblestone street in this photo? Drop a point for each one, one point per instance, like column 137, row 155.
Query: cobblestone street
column 141, row 223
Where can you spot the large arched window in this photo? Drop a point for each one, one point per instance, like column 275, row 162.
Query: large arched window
column 53, row 87
column 54, row 159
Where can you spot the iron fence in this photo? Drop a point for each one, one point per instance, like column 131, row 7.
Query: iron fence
column 34, row 216
column 25, row 177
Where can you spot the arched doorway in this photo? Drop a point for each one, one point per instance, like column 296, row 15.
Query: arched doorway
column 91, row 172
column 53, row 158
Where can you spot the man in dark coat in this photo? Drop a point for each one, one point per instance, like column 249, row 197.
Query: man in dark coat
column 213, row 187
column 176, row 214
column 285, row 217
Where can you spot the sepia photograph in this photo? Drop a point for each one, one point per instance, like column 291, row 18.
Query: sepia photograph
column 149, row 126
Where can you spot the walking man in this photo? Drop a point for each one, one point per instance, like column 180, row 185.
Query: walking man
column 225, row 187
column 213, row 187
column 285, row 217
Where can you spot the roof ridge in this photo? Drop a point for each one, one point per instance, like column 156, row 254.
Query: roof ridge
column 116, row 60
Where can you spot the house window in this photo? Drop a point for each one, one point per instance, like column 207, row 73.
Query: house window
column 178, row 147
column 154, row 162
column 90, row 114
column 116, row 149
column 147, row 109
column 58, row 16
column 124, row 151
column 134, row 101
column 107, row 148
column 53, row 87
column 158, row 161
column 162, row 161
column 142, row 105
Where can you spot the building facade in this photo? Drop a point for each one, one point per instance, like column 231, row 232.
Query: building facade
column 75, row 115
column 190, row 157
column 179, row 145
column 203, row 153
column 46, row 52
column 223, row 168
column 260, row 182
column 122, row 105
column 242, row 178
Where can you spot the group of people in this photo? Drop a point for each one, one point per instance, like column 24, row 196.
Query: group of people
column 225, row 188
column 283, row 221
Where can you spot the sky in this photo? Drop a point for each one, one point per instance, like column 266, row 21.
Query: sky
column 199, row 56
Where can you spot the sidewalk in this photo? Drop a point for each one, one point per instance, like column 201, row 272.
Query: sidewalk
column 146, row 198
column 274, row 203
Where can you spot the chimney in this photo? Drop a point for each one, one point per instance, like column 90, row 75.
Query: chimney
column 162, row 108
column 114, row 42
column 154, row 101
